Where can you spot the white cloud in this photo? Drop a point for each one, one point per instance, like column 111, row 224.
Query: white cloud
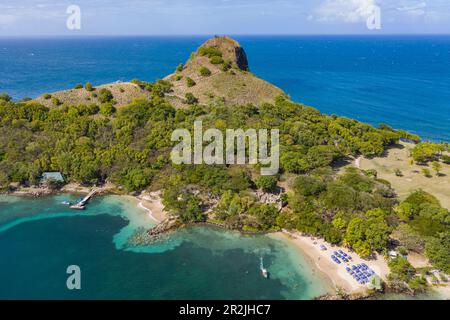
column 7, row 19
column 416, row 10
column 416, row 6
column 349, row 11
column 429, row 12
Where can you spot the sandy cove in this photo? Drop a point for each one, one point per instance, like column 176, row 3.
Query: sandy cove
column 309, row 246
column 334, row 272
column 152, row 203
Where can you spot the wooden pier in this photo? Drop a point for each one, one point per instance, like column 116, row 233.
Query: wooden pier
column 82, row 204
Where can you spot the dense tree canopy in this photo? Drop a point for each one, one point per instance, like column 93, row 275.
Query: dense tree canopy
column 130, row 146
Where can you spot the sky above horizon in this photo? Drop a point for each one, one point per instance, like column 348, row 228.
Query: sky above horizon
column 234, row 17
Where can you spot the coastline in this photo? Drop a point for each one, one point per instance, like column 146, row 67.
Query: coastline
column 335, row 277
column 150, row 202
column 74, row 188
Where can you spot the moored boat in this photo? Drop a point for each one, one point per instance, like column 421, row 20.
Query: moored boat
column 264, row 271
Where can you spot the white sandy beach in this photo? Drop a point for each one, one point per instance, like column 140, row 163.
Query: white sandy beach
column 334, row 272
column 152, row 203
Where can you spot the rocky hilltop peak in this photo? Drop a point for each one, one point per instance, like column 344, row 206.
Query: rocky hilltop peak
column 230, row 49
column 217, row 73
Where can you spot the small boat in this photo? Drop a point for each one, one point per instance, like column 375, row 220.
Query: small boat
column 78, row 207
column 264, row 271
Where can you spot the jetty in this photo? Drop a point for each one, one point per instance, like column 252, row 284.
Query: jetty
column 81, row 205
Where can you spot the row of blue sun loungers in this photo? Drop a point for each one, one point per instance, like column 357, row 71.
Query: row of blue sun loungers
column 337, row 256
column 361, row 273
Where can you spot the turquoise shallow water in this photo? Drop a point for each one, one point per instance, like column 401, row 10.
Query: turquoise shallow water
column 39, row 238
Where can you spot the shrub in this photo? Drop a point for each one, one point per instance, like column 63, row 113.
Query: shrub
column 436, row 165
column 401, row 269
column 372, row 173
column 419, row 197
column 398, row 173
column 160, row 88
column 205, row 72
column 179, row 77
column 190, row 83
column 418, row 284
column 52, row 184
column 402, row 250
column 180, row 67
column 46, row 96
column 144, row 85
column 136, row 179
column 426, row 152
column 89, row 109
column 209, row 52
column 190, row 98
column 438, row 251
column 79, row 86
column 88, row 86
column 107, row 109
column 56, row 101
column 267, row 183
column 216, row 60
column 122, row 90
column 409, row 238
column 5, row 97
column 308, row 186
column 226, row 65
column 426, row 172
column 445, row 159
column 105, row 95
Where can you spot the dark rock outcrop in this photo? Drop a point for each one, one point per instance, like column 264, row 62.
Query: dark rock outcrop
column 230, row 49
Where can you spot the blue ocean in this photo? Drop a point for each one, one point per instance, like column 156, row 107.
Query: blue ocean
column 403, row 81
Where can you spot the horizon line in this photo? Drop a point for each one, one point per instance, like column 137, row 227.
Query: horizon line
column 66, row 35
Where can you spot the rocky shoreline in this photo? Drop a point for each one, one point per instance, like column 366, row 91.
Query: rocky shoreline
column 32, row 193
column 160, row 232
column 37, row 192
column 342, row 297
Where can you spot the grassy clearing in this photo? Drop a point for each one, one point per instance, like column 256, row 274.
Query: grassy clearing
column 412, row 177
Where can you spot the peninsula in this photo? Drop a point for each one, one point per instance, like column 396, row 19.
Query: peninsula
column 339, row 195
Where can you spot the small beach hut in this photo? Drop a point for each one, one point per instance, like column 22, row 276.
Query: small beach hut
column 52, row 176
